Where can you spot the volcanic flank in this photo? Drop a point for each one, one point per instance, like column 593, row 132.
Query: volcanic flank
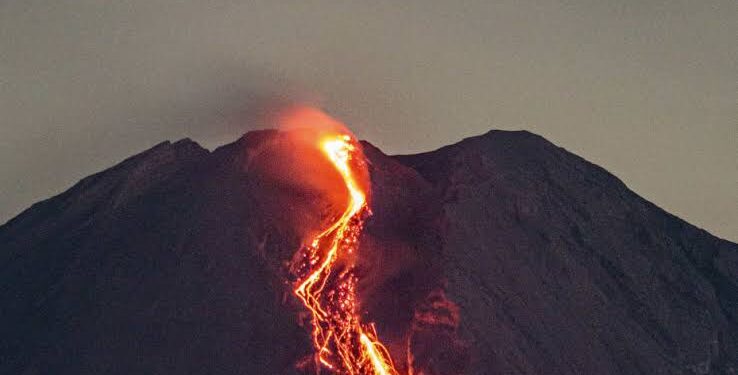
column 501, row 254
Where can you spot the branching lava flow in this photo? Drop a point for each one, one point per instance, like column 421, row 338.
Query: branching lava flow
column 327, row 281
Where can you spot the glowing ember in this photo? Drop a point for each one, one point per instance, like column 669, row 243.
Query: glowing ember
column 327, row 283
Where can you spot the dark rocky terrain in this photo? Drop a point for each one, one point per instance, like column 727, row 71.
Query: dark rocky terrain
column 527, row 258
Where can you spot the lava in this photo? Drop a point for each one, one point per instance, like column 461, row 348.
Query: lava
column 327, row 280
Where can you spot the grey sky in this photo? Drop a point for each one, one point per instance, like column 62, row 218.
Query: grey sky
column 648, row 89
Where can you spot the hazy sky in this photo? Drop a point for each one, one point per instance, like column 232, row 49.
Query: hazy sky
column 648, row 89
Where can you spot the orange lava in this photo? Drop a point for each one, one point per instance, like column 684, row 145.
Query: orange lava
column 327, row 281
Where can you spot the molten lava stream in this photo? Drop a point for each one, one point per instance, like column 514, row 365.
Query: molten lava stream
column 328, row 288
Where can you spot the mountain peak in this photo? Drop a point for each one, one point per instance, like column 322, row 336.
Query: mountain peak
column 173, row 261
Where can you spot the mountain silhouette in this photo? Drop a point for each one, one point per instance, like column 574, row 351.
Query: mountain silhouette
column 500, row 254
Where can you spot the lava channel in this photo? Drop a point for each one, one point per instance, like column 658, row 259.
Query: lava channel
column 326, row 279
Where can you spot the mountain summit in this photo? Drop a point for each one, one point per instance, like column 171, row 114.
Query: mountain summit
column 501, row 254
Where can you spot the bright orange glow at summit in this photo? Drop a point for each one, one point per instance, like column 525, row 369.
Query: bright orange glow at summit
column 327, row 283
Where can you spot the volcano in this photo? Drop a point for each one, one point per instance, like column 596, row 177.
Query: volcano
column 501, row 254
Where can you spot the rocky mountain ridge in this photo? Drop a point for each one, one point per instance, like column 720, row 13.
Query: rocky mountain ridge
column 173, row 262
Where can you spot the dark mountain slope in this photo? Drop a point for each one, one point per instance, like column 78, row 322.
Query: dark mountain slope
column 145, row 269
column 174, row 262
column 560, row 269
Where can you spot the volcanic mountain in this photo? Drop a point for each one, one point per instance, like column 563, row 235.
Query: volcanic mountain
column 501, row 254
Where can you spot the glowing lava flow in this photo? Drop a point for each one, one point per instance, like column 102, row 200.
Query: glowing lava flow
column 326, row 282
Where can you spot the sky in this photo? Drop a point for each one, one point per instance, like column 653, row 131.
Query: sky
column 648, row 89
